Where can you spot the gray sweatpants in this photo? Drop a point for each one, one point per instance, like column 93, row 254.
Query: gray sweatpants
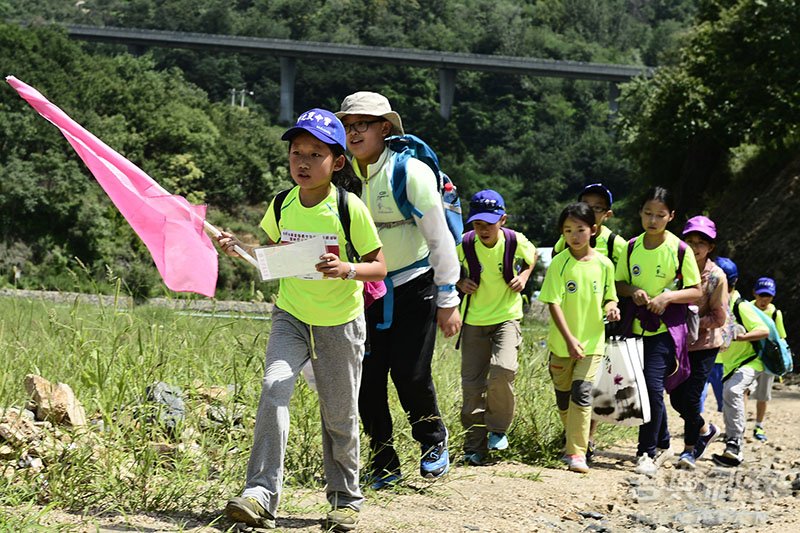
column 337, row 366
column 733, row 397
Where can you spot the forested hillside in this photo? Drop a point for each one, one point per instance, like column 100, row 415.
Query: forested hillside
column 723, row 107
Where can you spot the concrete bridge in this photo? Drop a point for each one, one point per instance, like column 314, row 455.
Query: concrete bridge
column 288, row 51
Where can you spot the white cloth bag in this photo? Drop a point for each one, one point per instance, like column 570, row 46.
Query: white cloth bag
column 619, row 393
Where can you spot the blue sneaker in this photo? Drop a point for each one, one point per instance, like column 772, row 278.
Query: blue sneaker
column 435, row 460
column 686, row 460
column 497, row 441
column 704, row 440
column 378, row 483
column 760, row 434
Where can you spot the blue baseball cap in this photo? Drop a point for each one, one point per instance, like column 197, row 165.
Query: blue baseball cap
column 320, row 123
column 486, row 205
column 600, row 190
column 729, row 267
column 765, row 286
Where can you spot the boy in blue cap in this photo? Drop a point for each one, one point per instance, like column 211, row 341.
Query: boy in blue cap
column 492, row 281
column 764, row 292
column 740, row 367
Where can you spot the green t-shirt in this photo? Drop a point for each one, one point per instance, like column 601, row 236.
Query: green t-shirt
column 580, row 288
column 772, row 310
column 322, row 302
column 655, row 270
column 601, row 246
column 493, row 302
column 740, row 350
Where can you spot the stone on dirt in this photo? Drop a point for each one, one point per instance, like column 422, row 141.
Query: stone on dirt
column 54, row 402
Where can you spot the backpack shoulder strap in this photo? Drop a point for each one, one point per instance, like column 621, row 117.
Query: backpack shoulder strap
column 508, row 254
column 277, row 204
column 681, row 254
column 399, row 189
column 775, row 314
column 611, row 239
column 736, row 311
column 473, row 266
column 344, row 218
column 631, row 244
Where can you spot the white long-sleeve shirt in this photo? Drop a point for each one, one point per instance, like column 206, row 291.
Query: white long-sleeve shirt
column 405, row 243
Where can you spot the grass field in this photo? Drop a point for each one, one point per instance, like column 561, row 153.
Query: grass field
column 109, row 355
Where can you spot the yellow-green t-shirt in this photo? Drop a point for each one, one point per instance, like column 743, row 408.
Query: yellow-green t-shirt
column 655, row 270
column 772, row 310
column 580, row 288
column 322, row 302
column 493, row 302
column 601, row 246
column 740, row 350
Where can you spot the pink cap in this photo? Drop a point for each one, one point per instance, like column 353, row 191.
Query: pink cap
column 701, row 224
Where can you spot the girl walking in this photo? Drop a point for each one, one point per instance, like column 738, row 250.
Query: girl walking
column 579, row 289
column 321, row 320
column 658, row 275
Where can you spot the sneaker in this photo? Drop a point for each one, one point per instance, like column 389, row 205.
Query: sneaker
column 497, row 441
column 662, row 454
column 250, row 512
column 590, row 452
column 577, row 463
column 435, row 461
column 473, row 459
column 704, row 440
column 732, row 456
column 645, row 465
column 341, row 519
column 379, row 483
column 760, row 434
column 686, row 460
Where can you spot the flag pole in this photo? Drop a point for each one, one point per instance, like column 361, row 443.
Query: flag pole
column 238, row 249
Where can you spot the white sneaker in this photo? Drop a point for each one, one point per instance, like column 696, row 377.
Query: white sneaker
column 577, row 463
column 662, row 454
column 645, row 465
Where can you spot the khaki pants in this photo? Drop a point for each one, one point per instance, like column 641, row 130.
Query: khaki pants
column 488, row 368
column 573, row 380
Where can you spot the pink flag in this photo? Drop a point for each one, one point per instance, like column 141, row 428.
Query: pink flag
column 171, row 227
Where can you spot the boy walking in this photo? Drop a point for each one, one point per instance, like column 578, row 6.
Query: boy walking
column 741, row 368
column 764, row 292
column 496, row 264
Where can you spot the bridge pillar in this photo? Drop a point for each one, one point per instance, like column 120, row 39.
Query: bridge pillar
column 288, row 71
column 447, row 89
column 613, row 96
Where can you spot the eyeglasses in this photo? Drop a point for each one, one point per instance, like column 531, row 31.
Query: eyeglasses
column 361, row 126
column 485, row 203
column 599, row 209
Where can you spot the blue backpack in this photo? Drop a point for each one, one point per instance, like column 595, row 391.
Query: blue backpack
column 412, row 146
column 773, row 351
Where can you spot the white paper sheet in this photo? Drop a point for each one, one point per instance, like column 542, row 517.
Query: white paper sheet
column 295, row 259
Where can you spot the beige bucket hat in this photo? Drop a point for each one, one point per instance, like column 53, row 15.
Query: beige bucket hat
column 368, row 103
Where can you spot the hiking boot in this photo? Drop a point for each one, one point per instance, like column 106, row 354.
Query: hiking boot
column 645, row 465
column 341, row 519
column 686, row 460
column 760, row 434
column 704, row 440
column 473, row 459
column 732, row 456
column 497, row 441
column 590, row 452
column 435, row 461
column 249, row 511
column 662, row 454
column 381, row 482
column 577, row 463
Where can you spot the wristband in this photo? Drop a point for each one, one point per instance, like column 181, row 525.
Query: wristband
column 352, row 273
column 446, row 288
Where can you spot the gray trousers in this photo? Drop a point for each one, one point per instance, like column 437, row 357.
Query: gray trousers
column 337, row 353
column 733, row 398
column 488, row 368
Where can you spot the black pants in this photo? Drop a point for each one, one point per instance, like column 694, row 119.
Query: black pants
column 686, row 397
column 405, row 351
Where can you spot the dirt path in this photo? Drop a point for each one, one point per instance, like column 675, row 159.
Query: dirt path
column 508, row 497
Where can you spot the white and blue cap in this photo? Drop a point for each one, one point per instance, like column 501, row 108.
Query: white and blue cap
column 765, row 286
column 320, row 123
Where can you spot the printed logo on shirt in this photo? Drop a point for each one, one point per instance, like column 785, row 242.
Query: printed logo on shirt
column 572, row 286
column 384, row 203
column 595, row 288
column 636, row 270
column 659, row 273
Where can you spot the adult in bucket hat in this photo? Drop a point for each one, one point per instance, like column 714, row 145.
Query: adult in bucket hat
column 423, row 270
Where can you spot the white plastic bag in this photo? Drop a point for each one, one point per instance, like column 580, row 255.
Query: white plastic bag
column 620, row 394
